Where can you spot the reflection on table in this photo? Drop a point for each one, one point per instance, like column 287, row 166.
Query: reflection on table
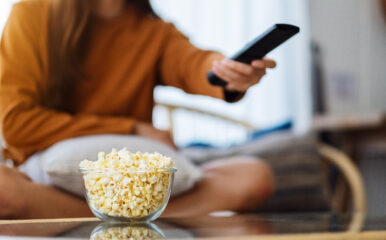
column 244, row 225
column 127, row 231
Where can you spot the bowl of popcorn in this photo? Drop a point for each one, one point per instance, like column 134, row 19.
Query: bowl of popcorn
column 128, row 187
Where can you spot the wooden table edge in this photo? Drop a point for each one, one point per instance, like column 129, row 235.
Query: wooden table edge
column 54, row 220
column 365, row 235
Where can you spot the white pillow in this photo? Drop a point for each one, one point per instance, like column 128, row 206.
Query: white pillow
column 259, row 147
column 58, row 165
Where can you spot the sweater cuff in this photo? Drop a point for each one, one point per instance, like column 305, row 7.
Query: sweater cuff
column 232, row 96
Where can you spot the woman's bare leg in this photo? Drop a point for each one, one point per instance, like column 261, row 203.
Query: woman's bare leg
column 49, row 202
column 22, row 199
column 237, row 184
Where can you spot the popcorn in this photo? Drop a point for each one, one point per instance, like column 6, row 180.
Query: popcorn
column 124, row 184
column 127, row 232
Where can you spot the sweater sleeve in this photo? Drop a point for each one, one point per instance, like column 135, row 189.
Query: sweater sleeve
column 185, row 66
column 26, row 125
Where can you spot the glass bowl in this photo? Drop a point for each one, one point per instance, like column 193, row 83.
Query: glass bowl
column 128, row 196
column 127, row 231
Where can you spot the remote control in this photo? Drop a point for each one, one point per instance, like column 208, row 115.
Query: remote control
column 259, row 47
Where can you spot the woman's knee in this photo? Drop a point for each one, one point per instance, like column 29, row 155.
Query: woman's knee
column 248, row 181
column 257, row 183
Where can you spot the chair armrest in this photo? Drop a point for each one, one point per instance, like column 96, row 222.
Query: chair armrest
column 171, row 107
column 351, row 173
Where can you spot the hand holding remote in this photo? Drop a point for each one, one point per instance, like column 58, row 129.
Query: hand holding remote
column 241, row 76
column 257, row 49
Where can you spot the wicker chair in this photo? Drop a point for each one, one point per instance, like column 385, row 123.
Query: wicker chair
column 330, row 155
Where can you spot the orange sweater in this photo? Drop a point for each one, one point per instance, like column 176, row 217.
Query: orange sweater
column 127, row 57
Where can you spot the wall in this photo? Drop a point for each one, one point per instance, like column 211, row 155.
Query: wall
column 352, row 35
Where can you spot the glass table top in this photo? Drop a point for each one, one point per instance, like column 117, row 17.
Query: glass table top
column 248, row 226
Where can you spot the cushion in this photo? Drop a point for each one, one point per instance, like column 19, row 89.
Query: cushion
column 271, row 143
column 296, row 164
column 300, row 184
column 58, row 165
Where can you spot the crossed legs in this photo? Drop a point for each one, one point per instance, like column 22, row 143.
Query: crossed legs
column 236, row 184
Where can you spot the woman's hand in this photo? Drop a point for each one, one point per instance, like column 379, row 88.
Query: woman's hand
column 241, row 76
column 148, row 131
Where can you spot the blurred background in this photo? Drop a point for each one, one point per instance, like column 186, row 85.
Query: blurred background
column 341, row 49
column 330, row 79
column 227, row 26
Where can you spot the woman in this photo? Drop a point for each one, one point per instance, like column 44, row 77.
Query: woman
column 72, row 68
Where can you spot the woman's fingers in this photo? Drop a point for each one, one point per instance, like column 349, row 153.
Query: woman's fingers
column 233, row 79
column 226, row 73
column 243, row 68
column 241, row 76
column 264, row 63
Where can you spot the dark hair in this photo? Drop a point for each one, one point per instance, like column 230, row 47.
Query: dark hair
column 67, row 38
